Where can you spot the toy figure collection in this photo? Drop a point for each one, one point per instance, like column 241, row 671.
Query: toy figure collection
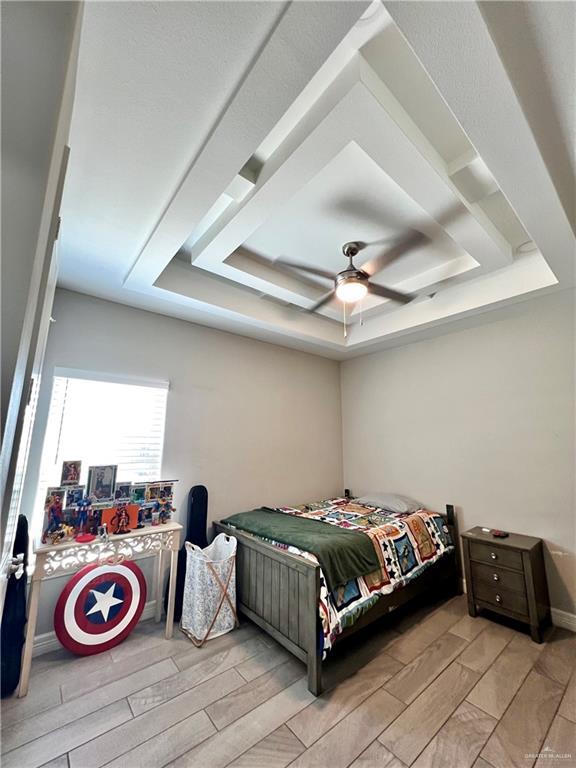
column 70, row 513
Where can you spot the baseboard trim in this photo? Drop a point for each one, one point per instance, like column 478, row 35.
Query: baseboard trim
column 564, row 619
column 49, row 642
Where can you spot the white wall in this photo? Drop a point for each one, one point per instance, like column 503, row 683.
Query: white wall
column 256, row 423
column 481, row 418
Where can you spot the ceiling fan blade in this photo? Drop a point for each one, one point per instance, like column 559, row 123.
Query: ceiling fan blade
column 377, row 263
column 323, row 300
column 390, row 293
column 305, row 268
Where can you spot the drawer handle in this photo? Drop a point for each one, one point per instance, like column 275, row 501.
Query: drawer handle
column 498, row 598
column 493, row 555
column 495, row 577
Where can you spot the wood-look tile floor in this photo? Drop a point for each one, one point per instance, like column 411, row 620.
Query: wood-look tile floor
column 431, row 687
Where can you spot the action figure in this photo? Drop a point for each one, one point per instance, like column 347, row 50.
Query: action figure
column 83, row 510
column 156, row 512
column 63, row 533
column 94, row 520
column 54, row 517
column 121, row 520
column 166, row 510
column 141, row 517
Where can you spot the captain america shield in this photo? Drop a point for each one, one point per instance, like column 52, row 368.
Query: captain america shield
column 99, row 607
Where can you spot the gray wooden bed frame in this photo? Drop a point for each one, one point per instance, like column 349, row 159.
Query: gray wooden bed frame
column 280, row 593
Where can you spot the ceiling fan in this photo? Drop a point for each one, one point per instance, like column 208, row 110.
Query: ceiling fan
column 353, row 284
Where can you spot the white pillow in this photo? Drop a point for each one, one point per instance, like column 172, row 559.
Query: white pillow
column 393, row 502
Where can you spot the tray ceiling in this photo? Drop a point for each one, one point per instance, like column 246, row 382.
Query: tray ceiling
column 355, row 140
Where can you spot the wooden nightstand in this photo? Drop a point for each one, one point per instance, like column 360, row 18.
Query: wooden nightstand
column 507, row 576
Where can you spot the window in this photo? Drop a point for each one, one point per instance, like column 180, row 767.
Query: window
column 103, row 422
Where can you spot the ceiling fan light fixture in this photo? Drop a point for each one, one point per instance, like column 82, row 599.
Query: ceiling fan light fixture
column 351, row 290
column 351, row 284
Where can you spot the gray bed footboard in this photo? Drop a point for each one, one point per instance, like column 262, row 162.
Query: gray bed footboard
column 280, row 593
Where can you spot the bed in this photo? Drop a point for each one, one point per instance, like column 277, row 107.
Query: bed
column 313, row 575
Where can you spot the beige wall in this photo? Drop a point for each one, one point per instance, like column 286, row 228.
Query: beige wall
column 255, row 423
column 482, row 418
column 244, row 418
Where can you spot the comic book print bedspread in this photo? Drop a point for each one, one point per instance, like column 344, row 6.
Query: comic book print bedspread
column 406, row 544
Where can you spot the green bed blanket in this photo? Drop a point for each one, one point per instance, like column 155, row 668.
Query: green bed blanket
column 342, row 553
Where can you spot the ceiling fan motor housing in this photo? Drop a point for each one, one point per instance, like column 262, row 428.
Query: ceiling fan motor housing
column 352, row 276
column 351, row 249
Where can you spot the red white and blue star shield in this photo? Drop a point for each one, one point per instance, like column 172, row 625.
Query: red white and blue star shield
column 99, row 607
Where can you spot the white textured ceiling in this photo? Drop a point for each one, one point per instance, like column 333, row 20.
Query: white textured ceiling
column 210, row 139
column 153, row 79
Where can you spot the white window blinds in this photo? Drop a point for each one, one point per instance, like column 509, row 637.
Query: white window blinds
column 104, row 422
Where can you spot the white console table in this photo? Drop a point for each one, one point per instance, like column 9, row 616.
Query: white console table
column 54, row 560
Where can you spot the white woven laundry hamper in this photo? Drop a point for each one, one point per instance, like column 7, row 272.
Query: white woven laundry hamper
column 209, row 604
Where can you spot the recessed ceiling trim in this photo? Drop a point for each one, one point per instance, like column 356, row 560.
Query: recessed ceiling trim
column 380, row 137
column 446, row 170
column 453, row 42
column 527, row 274
column 198, row 289
column 311, row 29
column 284, row 170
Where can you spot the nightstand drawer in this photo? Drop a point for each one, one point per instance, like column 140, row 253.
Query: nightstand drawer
column 498, row 577
column 507, row 576
column 501, row 598
column 486, row 553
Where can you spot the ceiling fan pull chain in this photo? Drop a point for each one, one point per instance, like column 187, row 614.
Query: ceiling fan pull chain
column 344, row 319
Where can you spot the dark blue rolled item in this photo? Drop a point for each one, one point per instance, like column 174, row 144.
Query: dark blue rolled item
column 196, row 534
column 14, row 615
